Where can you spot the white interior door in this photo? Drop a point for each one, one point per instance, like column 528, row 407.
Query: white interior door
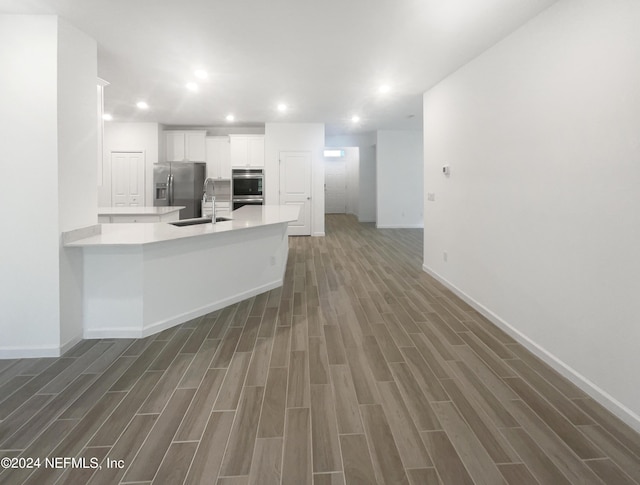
column 335, row 186
column 127, row 179
column 295, row 189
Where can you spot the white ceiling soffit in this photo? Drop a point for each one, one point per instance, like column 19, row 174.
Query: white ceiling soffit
column 324, row 59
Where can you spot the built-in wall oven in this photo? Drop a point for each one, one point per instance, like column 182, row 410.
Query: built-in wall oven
column 247, row 187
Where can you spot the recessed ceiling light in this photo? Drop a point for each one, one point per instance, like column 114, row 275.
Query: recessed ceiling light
column 200, row 74
column 230, row 117
column 355, row 118
column 107, row 117
column 282, row 107
column 384, row 88
column 142, row 105
column 192, row 86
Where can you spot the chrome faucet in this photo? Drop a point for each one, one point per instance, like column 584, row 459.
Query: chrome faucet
column 209, row 200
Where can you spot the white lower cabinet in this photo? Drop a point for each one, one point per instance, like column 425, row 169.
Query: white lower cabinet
column 130, row 218
column 138, row 218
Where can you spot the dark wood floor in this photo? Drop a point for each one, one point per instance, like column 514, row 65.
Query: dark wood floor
column 361, row 369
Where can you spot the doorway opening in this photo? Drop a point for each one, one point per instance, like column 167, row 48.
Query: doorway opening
column 350, row 182
column 335, row 182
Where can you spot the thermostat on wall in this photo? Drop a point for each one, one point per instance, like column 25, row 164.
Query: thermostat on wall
column 446, row 169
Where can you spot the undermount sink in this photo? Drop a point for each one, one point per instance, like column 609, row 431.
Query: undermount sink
column 200, row 220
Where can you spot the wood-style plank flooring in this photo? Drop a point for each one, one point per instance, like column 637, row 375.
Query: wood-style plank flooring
column 361, row 369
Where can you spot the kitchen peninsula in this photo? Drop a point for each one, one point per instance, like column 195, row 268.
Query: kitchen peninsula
column 139, row 214
column 139, row 279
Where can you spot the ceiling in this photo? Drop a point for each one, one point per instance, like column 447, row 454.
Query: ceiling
column 324, row 59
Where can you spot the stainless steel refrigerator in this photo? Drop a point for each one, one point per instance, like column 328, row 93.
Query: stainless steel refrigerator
column 179, row 183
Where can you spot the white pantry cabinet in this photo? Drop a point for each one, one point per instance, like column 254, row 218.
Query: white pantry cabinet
column 247, row 150
column 218, row 157
column 185, row 146
column 127, row 179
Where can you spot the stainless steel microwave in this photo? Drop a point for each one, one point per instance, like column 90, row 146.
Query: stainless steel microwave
column 248, row 182
column 247, row 187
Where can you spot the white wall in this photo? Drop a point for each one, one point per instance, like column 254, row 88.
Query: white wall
column 296, row 137
column 399, row 179
column 45, row 65
column 366, row 204
column 130, row 137
column 352, row 158
column 77, row 165
column 540, row 216
column 28, row 130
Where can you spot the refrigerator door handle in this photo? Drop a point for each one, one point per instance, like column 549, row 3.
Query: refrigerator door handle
column 170, row 189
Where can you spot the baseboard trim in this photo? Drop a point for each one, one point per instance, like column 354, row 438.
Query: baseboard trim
column 29, row 352
column 399, row 226
column 594, row 391
column 318, row 234
column 69, row 345
column 37, row 352
column 179, row 319
column 115, row 332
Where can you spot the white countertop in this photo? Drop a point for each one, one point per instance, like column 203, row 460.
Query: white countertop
column 138, row 211
column 137, row 234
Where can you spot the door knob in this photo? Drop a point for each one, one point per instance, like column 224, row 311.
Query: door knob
column 308, row 198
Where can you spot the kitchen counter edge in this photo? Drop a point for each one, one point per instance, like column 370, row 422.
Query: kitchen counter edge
column 247, row 217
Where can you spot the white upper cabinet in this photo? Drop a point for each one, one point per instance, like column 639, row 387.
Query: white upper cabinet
column 195, row 145
column 255, row 150
column 174, row 146
column 247, row 150
column 218, row 157
column 185, row 146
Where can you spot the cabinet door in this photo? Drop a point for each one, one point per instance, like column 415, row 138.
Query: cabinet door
column 212, row 158
column 225, row 159
column 174, row 145
column 218, row 161
column 238, row 147
column 255, row 151
column 195, row 146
